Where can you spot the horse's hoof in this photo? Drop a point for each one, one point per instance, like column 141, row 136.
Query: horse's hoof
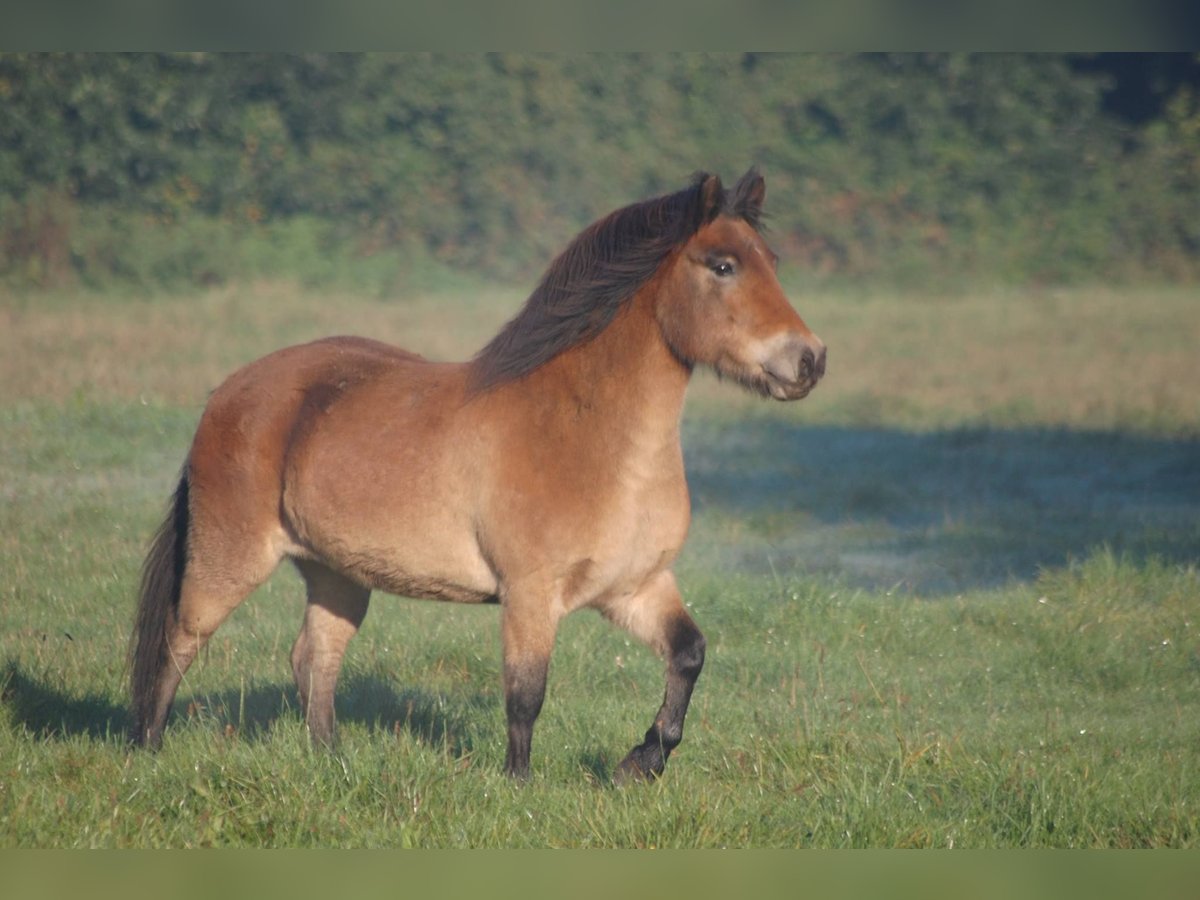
column 632, row 769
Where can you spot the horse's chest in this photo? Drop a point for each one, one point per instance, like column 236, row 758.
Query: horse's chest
column 659, row 513
column 597, row 527
column 640, row 531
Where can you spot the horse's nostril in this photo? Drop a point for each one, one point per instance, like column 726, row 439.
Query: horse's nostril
column 807, row 363
column 821, row 363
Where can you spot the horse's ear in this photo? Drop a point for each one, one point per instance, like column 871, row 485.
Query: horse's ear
column 712, row 197
column 749, row 194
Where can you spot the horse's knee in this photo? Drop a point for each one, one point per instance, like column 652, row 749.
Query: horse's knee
column 687, row 647
column 524, row 691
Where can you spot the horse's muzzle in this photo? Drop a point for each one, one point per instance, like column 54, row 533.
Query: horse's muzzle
column 794, row 367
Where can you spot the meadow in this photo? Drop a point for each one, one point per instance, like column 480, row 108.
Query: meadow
column 952, row 599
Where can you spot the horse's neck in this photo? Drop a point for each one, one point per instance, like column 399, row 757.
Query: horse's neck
column 628, row 373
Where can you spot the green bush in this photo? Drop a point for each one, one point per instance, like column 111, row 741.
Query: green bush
column 365, row 168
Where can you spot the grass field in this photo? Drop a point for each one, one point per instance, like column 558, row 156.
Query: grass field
column 952, row 599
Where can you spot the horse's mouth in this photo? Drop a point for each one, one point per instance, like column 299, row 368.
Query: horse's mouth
column 787, row 390
column 777, row 384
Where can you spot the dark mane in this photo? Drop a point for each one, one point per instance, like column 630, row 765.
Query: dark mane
column 601, row 268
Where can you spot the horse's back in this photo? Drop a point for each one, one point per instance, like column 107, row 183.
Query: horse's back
column 253, row 415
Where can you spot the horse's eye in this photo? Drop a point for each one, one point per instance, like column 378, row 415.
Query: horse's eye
column 722, row 268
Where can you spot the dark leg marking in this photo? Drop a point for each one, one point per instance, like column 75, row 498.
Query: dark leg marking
column 524, row 690
column 685, row 660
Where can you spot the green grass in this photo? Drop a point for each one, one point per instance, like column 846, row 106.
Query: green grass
column 1057, row 715
column 953, row 613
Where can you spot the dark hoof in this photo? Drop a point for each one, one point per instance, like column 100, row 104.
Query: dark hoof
column 642, row 764
column 145, row 739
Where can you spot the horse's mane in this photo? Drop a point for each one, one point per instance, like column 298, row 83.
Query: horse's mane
column 600, row 269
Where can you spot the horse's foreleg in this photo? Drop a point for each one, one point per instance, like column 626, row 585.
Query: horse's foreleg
column 335, row 609
column 656, row 615
column 528, row 636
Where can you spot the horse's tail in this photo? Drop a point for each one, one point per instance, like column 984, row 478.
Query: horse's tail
column 158, row 605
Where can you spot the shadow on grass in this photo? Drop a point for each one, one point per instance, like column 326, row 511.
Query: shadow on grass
column 936, row 512
column 597, row 767
column 50, row 714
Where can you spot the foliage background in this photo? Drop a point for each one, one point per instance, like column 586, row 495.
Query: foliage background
column 382, row 170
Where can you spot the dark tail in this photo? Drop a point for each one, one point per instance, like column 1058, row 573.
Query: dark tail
column 162, row 575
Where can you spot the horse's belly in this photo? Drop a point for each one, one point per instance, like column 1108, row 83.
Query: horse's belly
column 420, row 567
column 404, row 529
column 425, row 585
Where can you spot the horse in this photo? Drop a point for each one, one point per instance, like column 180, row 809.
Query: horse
column 545, row 474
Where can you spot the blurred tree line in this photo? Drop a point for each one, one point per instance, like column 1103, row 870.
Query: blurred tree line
column 197, row 167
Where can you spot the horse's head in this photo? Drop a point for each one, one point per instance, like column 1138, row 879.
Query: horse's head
column 721, row 303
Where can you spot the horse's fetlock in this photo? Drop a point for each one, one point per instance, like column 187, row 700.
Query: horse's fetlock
column 666, row 735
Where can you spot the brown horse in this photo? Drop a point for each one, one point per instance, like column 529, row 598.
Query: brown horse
column 545, row 475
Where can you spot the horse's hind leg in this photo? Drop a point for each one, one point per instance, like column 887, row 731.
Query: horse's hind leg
column 336, row 607
column 205, row 600
column 195, row 574
column 656, row 615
